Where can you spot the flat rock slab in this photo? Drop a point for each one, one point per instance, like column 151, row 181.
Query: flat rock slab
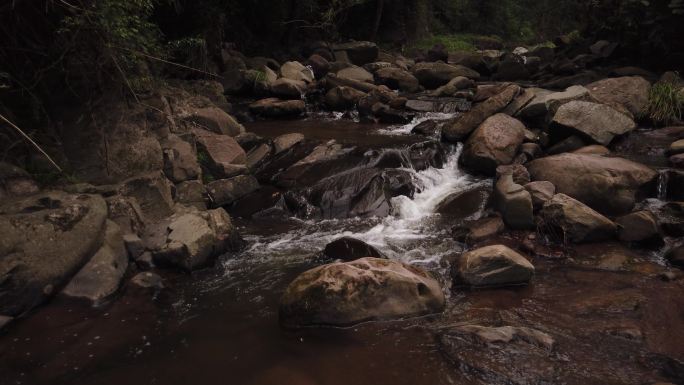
column 599, row 122
column 44, row 241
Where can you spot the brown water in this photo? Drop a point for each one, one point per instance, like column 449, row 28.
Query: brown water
column 614, row 320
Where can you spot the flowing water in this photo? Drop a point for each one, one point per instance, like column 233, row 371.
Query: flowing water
column 220, row 325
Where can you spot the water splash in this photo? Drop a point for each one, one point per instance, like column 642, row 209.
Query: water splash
column 412, row 233
column 420, row 118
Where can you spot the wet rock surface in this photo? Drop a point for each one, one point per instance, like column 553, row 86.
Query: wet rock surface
column 331, row 294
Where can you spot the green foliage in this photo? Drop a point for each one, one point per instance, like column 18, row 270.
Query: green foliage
column 455, row 42
column 112, row 37
column 665, row 103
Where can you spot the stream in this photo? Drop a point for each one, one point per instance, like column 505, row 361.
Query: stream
column 613, row 319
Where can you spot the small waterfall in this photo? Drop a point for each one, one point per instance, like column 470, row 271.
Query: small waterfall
column 411, row 233
column 663, row 181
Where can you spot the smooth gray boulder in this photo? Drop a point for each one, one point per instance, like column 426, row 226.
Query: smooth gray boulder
column 609, row 185
column 599, row 122
column 368, row 289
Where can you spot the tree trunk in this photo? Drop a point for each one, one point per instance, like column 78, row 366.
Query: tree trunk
column 378, row 18
column 418, row 19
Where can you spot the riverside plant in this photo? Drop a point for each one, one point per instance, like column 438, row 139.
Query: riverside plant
column 665, row 103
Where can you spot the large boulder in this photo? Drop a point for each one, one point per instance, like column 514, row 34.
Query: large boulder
column 192, row 240
column 221, row 154
column 368, row 289
column 357, row 52
column 493, row 266
column 628, row 93
column 577, row 222
column 599, row 122
column 433, row 75
column 609, row 185
column 398, row 79
column 460, row 128
column 44, row 241
column 215, row 120
column 350, row 249
column 495, row 142
column 278, row 108
column 101, row 277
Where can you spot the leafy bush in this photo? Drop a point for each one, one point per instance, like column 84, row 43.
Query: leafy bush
column 665, row 103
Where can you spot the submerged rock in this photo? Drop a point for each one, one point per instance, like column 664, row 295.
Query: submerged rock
column 503, row 355
column 493, row 266
column 44, row 241
column 609, row 185
column 368, row 289
column 578, row 222
column 350, row 249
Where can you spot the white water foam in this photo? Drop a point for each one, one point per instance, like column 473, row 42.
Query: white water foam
column 420, row 118
column 408, row 234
